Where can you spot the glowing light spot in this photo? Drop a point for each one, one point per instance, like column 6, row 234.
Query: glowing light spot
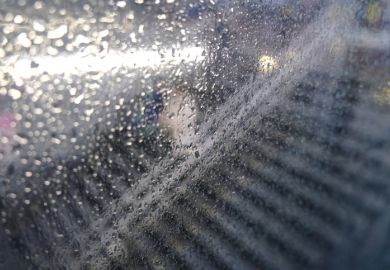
column 267, row 64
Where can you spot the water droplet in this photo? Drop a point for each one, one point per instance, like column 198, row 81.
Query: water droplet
column 121, row 4
column 59, row 32
column 14, row 93
column 23, row 40
column 39, row 27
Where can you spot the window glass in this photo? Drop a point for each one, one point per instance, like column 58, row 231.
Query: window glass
column 194, row 134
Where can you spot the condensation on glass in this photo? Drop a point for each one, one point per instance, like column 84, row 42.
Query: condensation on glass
column 194, row 134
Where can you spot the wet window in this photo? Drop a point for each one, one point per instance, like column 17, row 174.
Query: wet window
column 194, row 134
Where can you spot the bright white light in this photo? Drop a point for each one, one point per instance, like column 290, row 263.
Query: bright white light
column 81, row 62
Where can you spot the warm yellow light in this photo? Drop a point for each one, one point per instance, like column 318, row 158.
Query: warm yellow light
column 267, row 64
